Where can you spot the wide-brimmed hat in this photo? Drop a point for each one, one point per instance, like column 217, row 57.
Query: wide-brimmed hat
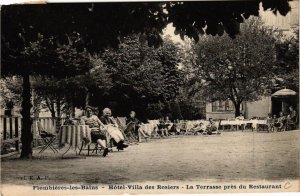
column 89, row 107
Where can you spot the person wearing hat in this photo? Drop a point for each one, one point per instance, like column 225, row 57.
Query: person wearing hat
column 98, row 133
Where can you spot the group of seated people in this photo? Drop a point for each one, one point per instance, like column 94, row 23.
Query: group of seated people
column 284, row 121
column 105, row 128
column 208, row 129
column 164, row 127
column 101, row 128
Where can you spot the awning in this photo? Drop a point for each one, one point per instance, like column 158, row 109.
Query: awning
column 284, row 93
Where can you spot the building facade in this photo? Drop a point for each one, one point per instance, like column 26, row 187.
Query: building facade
column 226, row 110
column 265, row 105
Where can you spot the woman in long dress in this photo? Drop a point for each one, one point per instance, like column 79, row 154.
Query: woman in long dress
column 98, row 133
column 113, row 129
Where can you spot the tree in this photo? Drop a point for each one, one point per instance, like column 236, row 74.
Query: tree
column 63, row 94
column 11, row 89
column 195, row 18
column 46, row 57
column 142, row 75
column 98, row 28
column 239, row 69
column 288, row 63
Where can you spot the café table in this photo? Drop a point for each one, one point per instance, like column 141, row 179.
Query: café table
column 147, row 128
column 257, row 122
column 74, row 136
column 235, row 122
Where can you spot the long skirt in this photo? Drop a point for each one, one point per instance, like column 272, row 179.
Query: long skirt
column 97, row 134
column 115, row 133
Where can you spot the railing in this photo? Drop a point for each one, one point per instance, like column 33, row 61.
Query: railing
column 10, row 130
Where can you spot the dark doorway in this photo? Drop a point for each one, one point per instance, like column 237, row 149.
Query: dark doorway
column 276, row 106
column 283, row 104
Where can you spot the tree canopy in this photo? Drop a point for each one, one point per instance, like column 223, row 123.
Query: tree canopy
column 141, row 75
column 56, row 39
column 288, row 63
column 98, row 27
column 239, row 69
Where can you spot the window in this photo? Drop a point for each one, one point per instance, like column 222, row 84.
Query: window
column 222, row 106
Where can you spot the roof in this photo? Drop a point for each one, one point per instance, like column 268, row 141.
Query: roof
column 284, row 93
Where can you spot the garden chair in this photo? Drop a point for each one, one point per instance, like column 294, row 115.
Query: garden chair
column 47, row 138
column 89, row 149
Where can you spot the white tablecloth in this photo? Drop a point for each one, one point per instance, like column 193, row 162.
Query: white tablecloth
column 234, row 122
column 253, row 122
column 256, row 122
column 74, row 135
column 148, row 128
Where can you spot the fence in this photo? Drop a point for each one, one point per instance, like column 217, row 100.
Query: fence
column 10, row 129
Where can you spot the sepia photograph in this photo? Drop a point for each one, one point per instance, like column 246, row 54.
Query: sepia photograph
column 149, row 97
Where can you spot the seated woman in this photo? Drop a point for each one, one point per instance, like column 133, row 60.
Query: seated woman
column 98, row 133
column 163, row 128
column 200, row 128
column 280, row 122
column 211, row 127
column 133, row 127
column 113, row 129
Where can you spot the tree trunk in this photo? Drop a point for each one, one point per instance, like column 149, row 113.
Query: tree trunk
column 87, row 98
column 58, row 107
column 26, row 134
column 50, row 105
column 237, row 109
column 58, row 110
column 72, row 107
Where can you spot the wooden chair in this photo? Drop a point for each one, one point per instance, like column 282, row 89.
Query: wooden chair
column 89, row 149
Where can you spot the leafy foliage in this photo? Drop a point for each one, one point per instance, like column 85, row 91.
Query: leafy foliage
column 141, row 74
column 99, row 28
column 288, row 63
column 239, row 69
column 58, row 47
column 11, row 90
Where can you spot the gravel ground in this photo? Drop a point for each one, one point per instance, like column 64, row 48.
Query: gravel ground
column 227, row 157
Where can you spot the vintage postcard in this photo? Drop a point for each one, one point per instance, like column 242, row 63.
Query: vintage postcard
column 149, row 97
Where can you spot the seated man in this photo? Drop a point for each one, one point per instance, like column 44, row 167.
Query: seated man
column 211, row 127
column 113, row 129
column 69, row 120
column 240, row 117
column 133, row 127
column 280, row 123
column 98, row 133
column 292, row 118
